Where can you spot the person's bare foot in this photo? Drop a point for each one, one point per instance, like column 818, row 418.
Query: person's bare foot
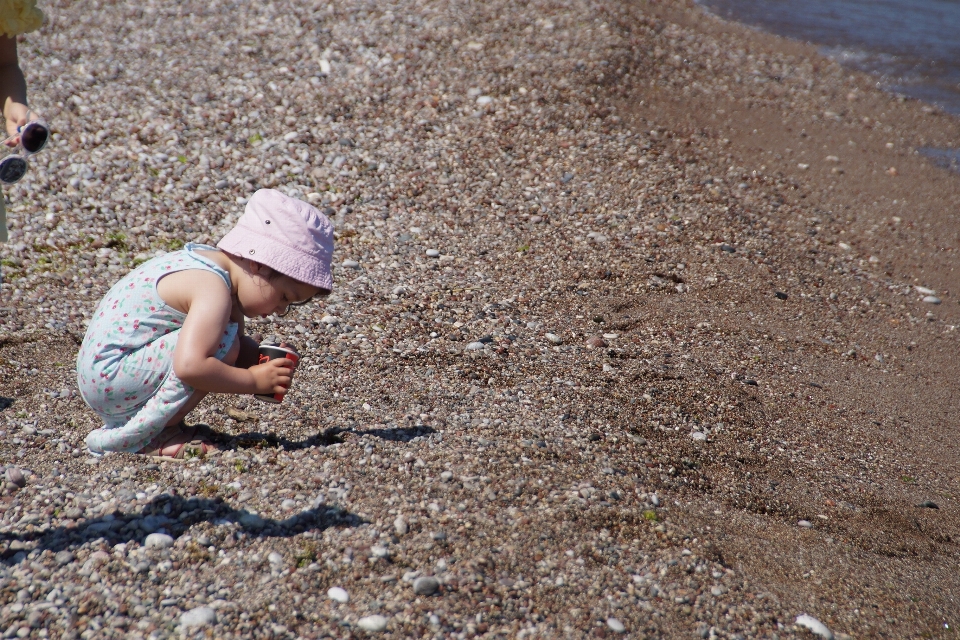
column 177, row 442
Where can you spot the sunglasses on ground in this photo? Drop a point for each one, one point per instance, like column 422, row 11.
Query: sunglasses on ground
column 33, row 137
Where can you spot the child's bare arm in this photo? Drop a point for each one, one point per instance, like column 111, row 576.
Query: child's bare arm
column 208, row 305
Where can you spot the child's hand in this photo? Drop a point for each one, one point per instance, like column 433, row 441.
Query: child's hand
column 17, row 115
column 273, row 376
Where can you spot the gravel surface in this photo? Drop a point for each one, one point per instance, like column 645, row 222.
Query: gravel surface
column 634, row 332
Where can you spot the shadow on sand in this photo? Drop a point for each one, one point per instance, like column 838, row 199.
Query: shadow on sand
column 174, row 515
column 252, row 439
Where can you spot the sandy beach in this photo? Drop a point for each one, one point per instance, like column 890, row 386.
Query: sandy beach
column 644, row 326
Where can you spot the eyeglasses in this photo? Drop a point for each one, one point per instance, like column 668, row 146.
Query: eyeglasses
column 32, row 137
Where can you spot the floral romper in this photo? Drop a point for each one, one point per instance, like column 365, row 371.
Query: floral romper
column 125, row 366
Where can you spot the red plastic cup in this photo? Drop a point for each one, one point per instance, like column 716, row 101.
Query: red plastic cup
column 270, row 352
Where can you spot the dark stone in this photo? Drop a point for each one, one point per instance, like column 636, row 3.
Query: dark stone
column 780, row 295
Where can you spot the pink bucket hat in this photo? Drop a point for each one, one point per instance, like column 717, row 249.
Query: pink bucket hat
column 285, row 234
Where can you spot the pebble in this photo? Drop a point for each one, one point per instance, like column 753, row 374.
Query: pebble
column 400, row 526
column 252, row 521
column 199, row 617
column 931, row 299
column 63, row 557
column 330, row 320
column 15, row 476
column 426, row 586
column 554, row 338
column 275, row 558
column 815, row 626
column 339, row 594
column 351, row 264
column 616, row 626
column 433, row 253
column 158, row 541
column 475, row 346
column 374, row 623
column 928, row 504
column 699, row 436
column 149, row 524
column 806, row 524
column 595, row 342
column 288, row 504
column 924, row 291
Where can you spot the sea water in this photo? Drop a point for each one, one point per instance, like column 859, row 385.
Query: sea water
column 911, row 46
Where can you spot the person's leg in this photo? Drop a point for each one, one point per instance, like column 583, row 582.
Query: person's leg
column 169, row 403
column 174, row 436
column 248, row 353
column 236, row 349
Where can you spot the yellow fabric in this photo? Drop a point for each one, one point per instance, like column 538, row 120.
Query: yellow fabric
column 19, row 16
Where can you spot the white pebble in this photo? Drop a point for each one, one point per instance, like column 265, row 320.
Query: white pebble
column 351, row 264
column 339, row 594
column 924, row 291
column 475, row 346
column 433, row 253
column 615, row 625
column 816, row 627
column 554, row 338
column 199, row 617
column 806, row 524
column 328, row 319
column 931, row 299
column 372, row 623
column 158, row 541
column 288, row 505
column 699, row 436
column 400, row 526
column 275, row 558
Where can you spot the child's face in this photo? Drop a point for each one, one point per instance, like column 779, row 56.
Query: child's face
column 261, row 295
